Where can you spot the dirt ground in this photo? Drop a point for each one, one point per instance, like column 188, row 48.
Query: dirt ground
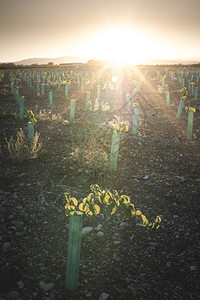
column 158, row 168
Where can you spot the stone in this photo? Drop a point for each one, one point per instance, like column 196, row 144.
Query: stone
column 116, row 242
column 46, row 287
column 193, row 268
column 123, row 224
column 88, row 295
column 17, row 224
column 100, row 233
column 58, row 276
column 20, row 284
column 127, row 280
column 86, row 230
column 103, row 296
column 98, row 228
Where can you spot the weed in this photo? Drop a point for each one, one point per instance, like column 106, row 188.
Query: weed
column 20, row 149
column 91, row 145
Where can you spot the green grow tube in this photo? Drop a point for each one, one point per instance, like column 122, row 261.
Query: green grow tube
column 73, row 252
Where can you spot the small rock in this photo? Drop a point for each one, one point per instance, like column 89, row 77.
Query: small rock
column 46, row 287
column 58, row 277
column 86, row 230
column 21, row 175
column 127, row 280
column 80, row 170
column 98, row 228
column 20, row 284
column 116, row 242
column 123, row 224
column 88, row 295
column 193, row 268
column 103, row 296
column 100, row 233
column 17, row 224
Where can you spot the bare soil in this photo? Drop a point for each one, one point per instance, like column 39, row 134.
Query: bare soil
column 159, row 169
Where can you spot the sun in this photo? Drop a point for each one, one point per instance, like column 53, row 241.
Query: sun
column 120, row 44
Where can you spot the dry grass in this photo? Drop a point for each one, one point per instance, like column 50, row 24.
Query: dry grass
column 91, row 145
column 21, row 149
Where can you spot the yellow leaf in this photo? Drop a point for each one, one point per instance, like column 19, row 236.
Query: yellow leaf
column 113, row 210
column 81, row 207
column 96, row 209
column 74, row 200
column 67, row 206
column 67, row 197
column 90, row 213
column 138, row 213
column 84, row 200
column 106, row 199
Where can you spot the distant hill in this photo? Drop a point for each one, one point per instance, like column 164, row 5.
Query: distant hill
column 56, row 61
column 73, row 59
column 183, row 61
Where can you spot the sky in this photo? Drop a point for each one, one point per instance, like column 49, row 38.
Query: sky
column 130, row 30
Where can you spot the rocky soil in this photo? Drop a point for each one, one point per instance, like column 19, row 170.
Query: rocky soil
column 158, row 169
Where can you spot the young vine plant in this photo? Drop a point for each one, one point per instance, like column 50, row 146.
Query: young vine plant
column 121, row 127
column 32, row 118
column 184, row 93
column 112, row 201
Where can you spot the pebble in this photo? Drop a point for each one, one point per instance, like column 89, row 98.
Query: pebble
column 100, row 233
column 116, row 242
column 86, row 230
column 103, row 296
column 58, row 276
column 98, row 228
column 123, row 224
column 46, row 287
column 88, row 295
column 20, row 284
column 21, row 175
column 17, row 224
column 127, row 280
column 80, row 170
column 193, row 268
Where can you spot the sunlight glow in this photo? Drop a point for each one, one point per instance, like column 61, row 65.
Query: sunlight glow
column 122, row 44
column 114, row 79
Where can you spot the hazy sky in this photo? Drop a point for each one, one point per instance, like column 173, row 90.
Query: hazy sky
column 99, row 28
